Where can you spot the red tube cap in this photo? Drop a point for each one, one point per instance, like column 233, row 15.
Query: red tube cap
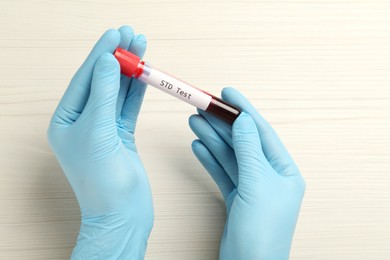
column 129, row 62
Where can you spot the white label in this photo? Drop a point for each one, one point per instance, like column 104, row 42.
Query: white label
column 176, row 88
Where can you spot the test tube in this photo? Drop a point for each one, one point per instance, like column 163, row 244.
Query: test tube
column 132, row 66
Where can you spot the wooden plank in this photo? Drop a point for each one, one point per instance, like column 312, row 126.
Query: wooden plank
column 319, row 71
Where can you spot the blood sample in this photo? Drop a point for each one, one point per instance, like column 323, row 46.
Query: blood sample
column 132, row 66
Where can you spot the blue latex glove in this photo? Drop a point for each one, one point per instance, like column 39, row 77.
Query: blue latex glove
column 92, row 136
column 259, row 181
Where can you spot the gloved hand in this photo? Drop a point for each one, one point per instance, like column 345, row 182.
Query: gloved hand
column 258, row 179
column 92, row 136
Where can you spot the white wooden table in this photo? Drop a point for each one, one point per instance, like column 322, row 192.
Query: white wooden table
column 319, row 71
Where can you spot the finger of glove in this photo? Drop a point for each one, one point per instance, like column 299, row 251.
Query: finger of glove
column 253, row 167
column 216, row 171
column 101, row 107
column 127, row 36
column 136, row 92
column 216, row 145
column 223, row 129
column 272, row 146
column 77, row 93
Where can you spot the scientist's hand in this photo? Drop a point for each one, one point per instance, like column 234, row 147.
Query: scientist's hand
column 92, row 136
column 259, row 181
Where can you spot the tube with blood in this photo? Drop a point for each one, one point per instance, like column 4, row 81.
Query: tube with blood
column 132, row 66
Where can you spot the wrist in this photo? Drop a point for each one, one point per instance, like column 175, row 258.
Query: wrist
column 110, row 238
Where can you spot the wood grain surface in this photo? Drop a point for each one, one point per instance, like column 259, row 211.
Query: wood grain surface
column 319, row 71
